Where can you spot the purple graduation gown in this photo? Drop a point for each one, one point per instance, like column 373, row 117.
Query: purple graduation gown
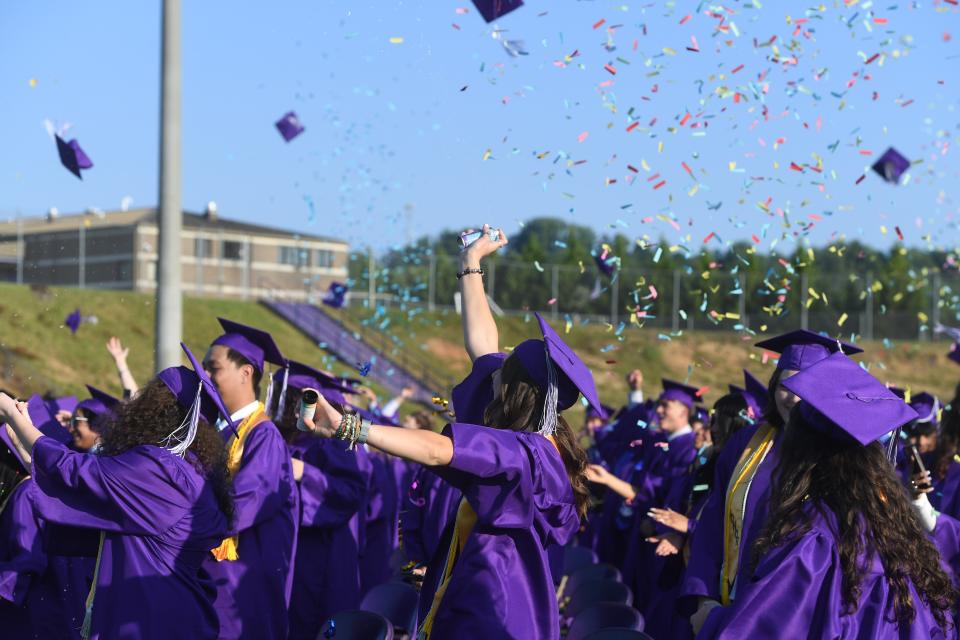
column 795, row 592
column 945, row 496
column 703, row 574
column 253, row 592
column 333, row 490
column 382, row 515
column 160, row 519
column 428, row 507
column 41, row 595
column 501, row 586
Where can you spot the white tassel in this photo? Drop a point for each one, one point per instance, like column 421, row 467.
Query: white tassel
column 892, row 446
column 282, row 402
column 269, row 393
column 548, row 419
column 182, row 437
column 85, row 628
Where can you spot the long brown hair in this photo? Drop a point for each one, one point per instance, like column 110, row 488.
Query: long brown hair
column 873, row 513
column 518, row 405
column 150, row 417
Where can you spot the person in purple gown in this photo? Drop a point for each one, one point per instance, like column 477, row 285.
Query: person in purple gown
column 332, row 483
column 674, row 525
column 41, row 594
column 521, row 478
column 90, row 417
column 159, row 495
column 664, row 463
column 937, row 444
column 842, row 553
column 737, row 505
column 253, row 567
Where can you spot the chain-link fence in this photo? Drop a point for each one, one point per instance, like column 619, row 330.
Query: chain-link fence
column 848, row 302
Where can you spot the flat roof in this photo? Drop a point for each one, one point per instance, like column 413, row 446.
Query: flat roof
column 69, row 222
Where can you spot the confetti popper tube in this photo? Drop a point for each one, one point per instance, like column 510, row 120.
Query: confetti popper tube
column 308, row 406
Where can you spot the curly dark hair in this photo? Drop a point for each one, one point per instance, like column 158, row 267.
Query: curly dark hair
column 150, row 417
column 770, row 414
column 873, row 512
column 518, row 407
column 287, row 423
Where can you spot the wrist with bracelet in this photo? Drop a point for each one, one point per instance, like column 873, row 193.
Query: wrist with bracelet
column 352, row 429
column 468, row 271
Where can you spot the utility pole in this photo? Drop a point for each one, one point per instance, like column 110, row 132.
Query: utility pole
column 169, row 316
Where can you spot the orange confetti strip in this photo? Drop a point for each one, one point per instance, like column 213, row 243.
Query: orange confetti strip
column 686, row 168
column 610, row 69
column 599, row 23
column 880, row 21
column 709, row 237
column 583, row 136
column 685, row 19
column 796, row 167
column 737, row 69
column 686, row 119
column 659, row 184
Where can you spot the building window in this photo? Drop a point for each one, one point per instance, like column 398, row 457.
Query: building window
column 203, row 247
column 232, row 250
column 324, row 258
column 295, row 256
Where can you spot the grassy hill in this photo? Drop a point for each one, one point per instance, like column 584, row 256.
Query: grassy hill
column 38, row 353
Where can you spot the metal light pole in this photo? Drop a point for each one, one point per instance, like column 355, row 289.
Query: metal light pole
column 169, row 212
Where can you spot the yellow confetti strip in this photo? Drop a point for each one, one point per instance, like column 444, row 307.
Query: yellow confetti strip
column 396, row 40
column 842, row 319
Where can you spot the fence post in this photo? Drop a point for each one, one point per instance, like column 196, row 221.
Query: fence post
column 935, row 302
column 675, row 325
column 742, row 303
column 555, row 290
column 804, row 301
column 868, row 332
column 82, row 261
column 614, row 299
column 21, row 249
column 432, row 290
column 371, row 280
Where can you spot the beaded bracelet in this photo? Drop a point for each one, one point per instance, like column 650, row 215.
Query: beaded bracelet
column 353, row 429
column 465, row 272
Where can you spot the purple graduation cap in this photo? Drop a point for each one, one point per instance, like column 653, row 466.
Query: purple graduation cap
column 560, row 373
column 604, row 414
column 493, row 9
column 891, row 165
column 257, row 346
column 100, row 406
column 302, row 376
column 66, row 403
column 289, row 126
column 73, row 321
column 701, row 414
column 72, row 156
column 925, row 404
column 842, row 400
column 336, row 295
column 673, row 390
column 754, row 392
column 801, row 348
column 607, row 262
column 196, row 393
column 954, row 353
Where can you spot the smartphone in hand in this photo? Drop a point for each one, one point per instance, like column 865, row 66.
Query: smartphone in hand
column 918, row 467
column 469, row 237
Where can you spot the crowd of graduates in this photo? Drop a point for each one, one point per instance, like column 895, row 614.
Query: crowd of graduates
column 822, row 503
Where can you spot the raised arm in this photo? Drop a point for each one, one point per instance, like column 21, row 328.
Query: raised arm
column 119, row 354
column 19, row 425
column 418, row 445
column 480, row 335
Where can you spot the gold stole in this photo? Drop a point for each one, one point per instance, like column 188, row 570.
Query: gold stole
column 228, row 548
column 463, row 526
column 736, row 505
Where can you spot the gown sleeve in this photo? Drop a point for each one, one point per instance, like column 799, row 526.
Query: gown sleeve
column 134, row 493
column 494, row 470
column 333, row 486
column 795, row 588
column 257, row 484
column 21, row 555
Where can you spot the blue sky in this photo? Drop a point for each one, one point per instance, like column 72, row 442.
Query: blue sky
column 446, row 129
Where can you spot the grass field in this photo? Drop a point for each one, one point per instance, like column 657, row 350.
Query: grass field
column 40, row 354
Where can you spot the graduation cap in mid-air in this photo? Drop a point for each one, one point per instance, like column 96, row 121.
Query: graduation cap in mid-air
column 606, row 261
column 891, row 166
column 289, row 126
column 336, row 295
column 73, row 320
column 72, row 156
column 493, row 9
